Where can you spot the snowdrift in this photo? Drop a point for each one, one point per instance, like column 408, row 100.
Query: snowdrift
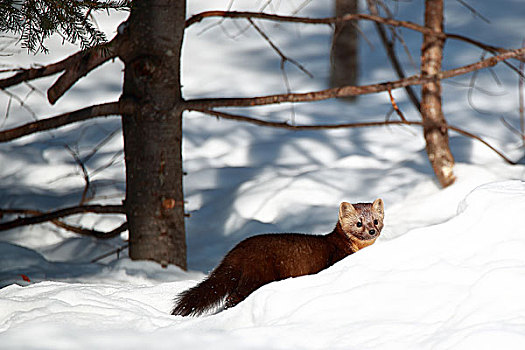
column 458, row 284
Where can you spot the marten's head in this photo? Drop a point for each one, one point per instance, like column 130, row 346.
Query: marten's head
column 361, row 222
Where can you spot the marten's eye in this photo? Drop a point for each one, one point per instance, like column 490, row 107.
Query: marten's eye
column 376, row 222
column 359, row 224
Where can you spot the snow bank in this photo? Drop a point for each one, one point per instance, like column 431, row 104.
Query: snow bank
column 458, row 284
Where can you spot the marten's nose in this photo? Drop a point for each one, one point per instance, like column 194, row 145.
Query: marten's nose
column 372, row 232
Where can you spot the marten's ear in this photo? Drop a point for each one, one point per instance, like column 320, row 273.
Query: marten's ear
column 379, row 207
column 346, row 210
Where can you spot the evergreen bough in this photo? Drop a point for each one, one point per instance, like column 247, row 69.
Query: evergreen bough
column 33, row 21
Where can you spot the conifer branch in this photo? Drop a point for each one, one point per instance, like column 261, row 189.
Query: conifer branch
column 36, row 20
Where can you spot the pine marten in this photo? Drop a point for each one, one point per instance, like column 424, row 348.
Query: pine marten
column 265, row 258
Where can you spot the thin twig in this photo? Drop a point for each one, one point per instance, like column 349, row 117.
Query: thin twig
column 512, row 128
column 114, row 251
column 284, row 58
column 474, row 11
column 114, row 159
column 396, row 108
column 288, row 89
column 21, row 102
column 470, row 91
column 471, row 135
column 7, row 110
column 477, row 88
column 394, row 32
column 472, row 87
column 229, row 7
column 301, row 6
column 81, row 162
column 100, row 145
column 85, row 173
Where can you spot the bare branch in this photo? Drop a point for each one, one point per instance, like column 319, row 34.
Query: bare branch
column 75, row 229
column 331, row 20
column 75, row 67
column 92, row 233
column 101, row 110
column 50, row 216
column 471, row 135
column 285, row 125
column 345, row 91
column 33, row 73
column 296, row 19
column 81, row 64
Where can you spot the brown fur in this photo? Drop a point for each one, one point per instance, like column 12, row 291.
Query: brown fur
column 262, row 259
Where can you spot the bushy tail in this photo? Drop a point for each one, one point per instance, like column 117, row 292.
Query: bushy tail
column 207, row 294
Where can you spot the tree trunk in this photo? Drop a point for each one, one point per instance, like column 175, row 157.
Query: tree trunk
column 434, row 123
column 153, row 133
column 344, row 52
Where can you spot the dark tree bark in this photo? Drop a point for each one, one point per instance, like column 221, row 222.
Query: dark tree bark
column 434, row 123
column 153, row 132
column 344, row 53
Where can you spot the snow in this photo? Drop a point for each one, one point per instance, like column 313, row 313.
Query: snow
column 448, row 270
column 457, row 284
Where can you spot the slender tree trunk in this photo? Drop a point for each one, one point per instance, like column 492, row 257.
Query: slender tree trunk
column 434, row 123
column 344, row 52
column 153, row 134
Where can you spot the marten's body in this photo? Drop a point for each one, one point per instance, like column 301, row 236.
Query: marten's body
column 266, row 258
